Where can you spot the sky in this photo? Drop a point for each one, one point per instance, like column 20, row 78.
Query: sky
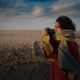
column 36, row 14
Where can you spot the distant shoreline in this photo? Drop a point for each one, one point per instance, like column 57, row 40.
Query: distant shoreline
column 20, row 30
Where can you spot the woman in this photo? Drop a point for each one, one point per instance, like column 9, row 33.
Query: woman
column 50, row 49
column 68, row 53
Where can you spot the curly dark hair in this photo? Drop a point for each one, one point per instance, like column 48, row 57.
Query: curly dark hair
column 66, row 23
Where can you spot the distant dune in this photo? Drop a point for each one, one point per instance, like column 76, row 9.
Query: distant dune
column 19, row 36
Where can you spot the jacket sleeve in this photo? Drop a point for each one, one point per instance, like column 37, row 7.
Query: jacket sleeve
column 68, row 56
column 74, row 50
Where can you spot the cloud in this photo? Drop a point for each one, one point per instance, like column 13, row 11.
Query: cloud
column 71, row 13
column 62, row 6
column 37, row 8
column 37, row 11
column 68, row 7
column 19, row 7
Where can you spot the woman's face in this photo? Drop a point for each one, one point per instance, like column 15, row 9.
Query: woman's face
column 57, row 27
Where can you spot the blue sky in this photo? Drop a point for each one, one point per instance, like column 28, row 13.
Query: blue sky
column 36, row 14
